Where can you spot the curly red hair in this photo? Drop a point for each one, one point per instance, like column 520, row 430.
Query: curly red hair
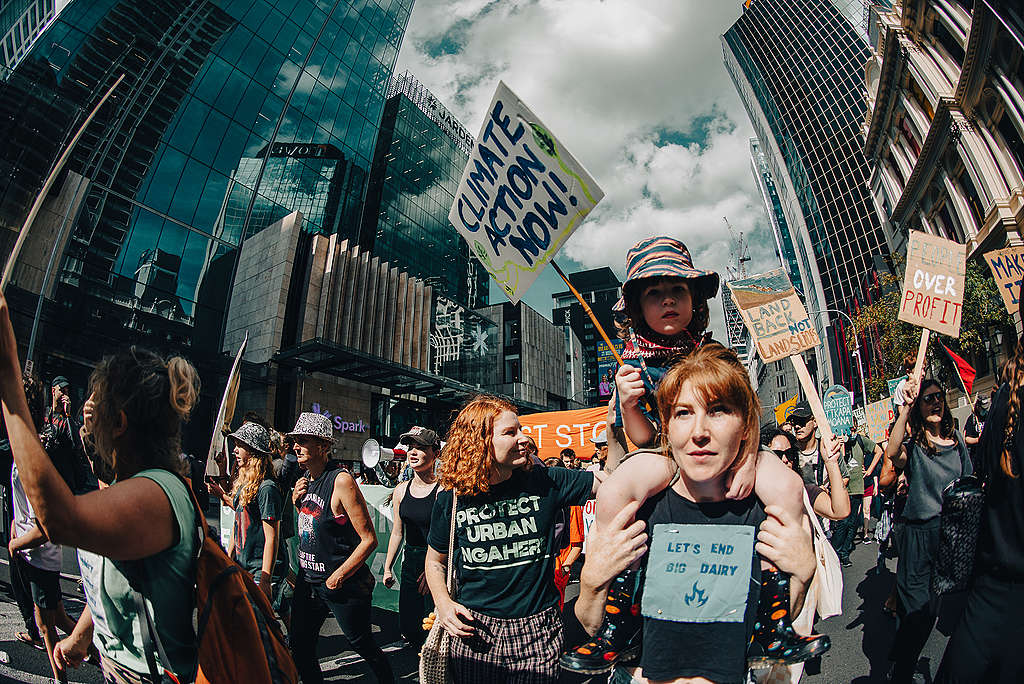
column 467, row 458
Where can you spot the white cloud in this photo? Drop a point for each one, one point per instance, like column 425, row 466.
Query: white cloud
column 636, row 90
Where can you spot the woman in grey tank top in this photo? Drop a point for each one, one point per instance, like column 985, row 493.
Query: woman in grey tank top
column 932, row 454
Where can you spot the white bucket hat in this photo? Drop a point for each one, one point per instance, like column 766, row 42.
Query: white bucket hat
column 313, row 425
column 254, row 436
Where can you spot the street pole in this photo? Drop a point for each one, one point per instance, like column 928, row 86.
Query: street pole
column 860, row 367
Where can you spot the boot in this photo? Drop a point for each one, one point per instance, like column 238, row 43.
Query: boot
column 774, row 640
column 620, row 635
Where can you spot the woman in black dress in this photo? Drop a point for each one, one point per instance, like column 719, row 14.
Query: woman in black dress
column 413, row 502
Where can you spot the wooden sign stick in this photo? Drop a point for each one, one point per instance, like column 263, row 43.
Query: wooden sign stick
column 922, row 350
column 812, row 396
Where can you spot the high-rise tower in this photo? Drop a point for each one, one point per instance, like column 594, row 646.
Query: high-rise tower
column 798, row 66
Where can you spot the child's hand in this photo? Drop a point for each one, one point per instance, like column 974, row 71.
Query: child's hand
column 741, row 481
column 629, row 385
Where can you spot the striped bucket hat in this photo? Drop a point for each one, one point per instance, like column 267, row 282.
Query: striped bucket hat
column 663, row 257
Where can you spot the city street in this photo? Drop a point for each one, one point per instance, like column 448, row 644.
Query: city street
column 860, row 637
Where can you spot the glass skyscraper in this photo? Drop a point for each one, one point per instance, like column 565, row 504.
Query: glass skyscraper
column 232, row 114
column 417, row 165
column 799, row 68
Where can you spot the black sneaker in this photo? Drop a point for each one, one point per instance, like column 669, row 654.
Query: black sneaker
column 846, row 562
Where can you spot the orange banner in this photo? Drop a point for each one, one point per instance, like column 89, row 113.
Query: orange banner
column 556, row 430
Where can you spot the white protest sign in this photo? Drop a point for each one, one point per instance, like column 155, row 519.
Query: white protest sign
column 521, row 195
column 933, row 287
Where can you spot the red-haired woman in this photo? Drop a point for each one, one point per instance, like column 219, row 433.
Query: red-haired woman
column 702, row 580
column 933, row 455
column 506, row 622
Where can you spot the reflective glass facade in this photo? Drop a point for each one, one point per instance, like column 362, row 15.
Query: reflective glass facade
column 799, row 68
column 232, row 114
column 417, row 165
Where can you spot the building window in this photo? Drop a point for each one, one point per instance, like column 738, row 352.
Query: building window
column 511, row 333
column 512, row 368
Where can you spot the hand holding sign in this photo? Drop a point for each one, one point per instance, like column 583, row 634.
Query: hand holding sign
column 933, row 289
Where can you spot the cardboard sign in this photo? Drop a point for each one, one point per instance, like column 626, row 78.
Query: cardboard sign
column 839, row 409
column 557, row 430
column 589, row 516
column 774, row 315
column 783, row 410
column 1008, row 269
column 879, row 416
column 521, row 195
column 698, row 573
column 933, row 288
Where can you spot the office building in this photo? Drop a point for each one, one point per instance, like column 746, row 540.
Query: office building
column 533, row 354
column 944, row 127
column 601, row 289
column 798, row 66
column 418, row 161
column 199, row 147
column 21, row 23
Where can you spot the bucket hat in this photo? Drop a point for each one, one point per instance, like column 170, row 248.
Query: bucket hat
column 313, row 425
column 254, row 436
column 421, row 436
column 663, row 257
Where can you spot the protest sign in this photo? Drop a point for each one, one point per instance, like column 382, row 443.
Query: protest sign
column 933, row 288
column 378, row 503
column 839, row 409
column 879, row 416
column 1008, row 269
column 774, row 314
column 895, row 384
column 521, row 195
column 557, row 430
column 858, row 415
column 589, row 516
column 606, row 367
column 783, row 410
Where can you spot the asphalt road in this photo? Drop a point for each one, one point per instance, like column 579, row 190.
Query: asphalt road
column 860, row 637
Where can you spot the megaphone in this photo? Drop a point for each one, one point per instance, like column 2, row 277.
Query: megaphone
column 372, row 455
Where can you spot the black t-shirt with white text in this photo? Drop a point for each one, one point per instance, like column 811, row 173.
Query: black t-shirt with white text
column 505, row 539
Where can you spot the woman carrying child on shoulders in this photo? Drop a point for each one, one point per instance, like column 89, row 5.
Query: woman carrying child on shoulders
column 665, row 306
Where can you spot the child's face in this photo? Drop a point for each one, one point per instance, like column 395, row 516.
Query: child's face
column 705, row 440
column 666, row 305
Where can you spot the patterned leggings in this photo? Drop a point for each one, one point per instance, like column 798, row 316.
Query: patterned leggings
column 515, row 650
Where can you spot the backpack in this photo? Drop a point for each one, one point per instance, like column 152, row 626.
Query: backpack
column 238, row 636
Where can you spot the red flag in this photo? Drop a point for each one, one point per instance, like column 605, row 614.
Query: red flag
column 963, row 369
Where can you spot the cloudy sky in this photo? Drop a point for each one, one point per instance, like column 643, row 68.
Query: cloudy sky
column 639, row 94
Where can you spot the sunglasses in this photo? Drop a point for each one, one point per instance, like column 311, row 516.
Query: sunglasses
column 788, row 454
column 800, row 422
column 933, row 396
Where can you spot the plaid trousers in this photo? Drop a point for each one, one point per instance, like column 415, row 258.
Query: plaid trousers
column 515, row 650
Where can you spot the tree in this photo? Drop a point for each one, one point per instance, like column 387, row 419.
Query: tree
column 983, row 308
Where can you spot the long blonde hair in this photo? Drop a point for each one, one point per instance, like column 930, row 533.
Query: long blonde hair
column 257, row 468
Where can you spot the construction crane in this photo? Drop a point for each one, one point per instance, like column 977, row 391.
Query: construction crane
column 740, row 255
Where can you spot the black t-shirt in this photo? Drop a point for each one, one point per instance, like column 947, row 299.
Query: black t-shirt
column 268, row 505
column 505, row 539
column 714, row 650
column 1001, row 543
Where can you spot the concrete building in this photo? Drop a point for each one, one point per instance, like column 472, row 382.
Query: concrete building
column 944, row 128
column 533, row 352
column 798, row 66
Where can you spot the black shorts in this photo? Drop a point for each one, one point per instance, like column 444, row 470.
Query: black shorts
column 44, row 584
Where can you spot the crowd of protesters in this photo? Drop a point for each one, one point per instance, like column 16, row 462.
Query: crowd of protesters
column 110, row 482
